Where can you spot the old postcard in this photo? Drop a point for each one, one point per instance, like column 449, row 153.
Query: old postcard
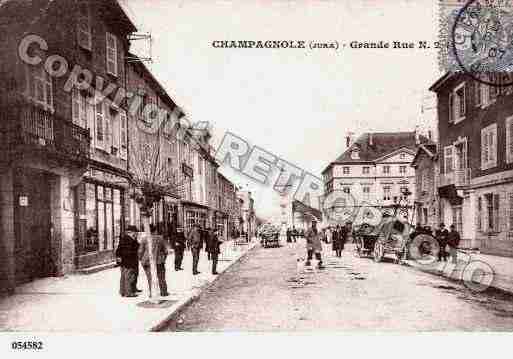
column 255, row 166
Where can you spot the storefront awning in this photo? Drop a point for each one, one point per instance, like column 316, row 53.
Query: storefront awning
column 451, row 194
column 300, row 207
column 194, row 204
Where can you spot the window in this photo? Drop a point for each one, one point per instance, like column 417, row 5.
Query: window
column 492, row 211
column 457, row 102
column 123, row 134
column 448, row 159
column 424, row 180
column 346, row 189
column 402, row 156
column 386, row 169
column 112, row 54
column 402, row 169
column 366, row 170
column 346, row 170
column 511, row 211
column 79, row 108
column 366, row 192
column 103, row 124
column 40, row 88
column 477, row 94
column 451, row 108
column 84, row 37
column 457, row 218
column 425, row 215
column 479, row 213
column 386, row 193
column 509, row 139
column 355, row 154
column 489, row 147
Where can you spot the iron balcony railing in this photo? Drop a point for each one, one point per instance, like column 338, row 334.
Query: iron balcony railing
column 459, row 178
column 29, row 126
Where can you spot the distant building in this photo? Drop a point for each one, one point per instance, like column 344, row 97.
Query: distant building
column 375, row 169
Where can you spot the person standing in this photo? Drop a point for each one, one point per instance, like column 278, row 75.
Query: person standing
column 215, row 249
column 294, row 234
column 159, row 252
column 289, row 240
column 178, row 243
column 195, row 243
column 441, row 237
column 453, row 241
column 129, row 264
column 313, row 245
column 334, row 239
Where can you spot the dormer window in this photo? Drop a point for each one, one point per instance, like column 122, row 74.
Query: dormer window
column 355, row 154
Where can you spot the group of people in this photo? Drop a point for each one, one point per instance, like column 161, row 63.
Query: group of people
column 293, row 233
column 134, row 249
column 448, row 240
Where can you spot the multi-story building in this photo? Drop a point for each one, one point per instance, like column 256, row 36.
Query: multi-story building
column 476, row 160
column 426, row 200
column 156, row 143
column 64, row 176
column 375, row 169
column 248, row 213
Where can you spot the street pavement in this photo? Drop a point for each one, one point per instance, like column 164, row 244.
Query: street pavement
column 269, row 291
column 91, row 303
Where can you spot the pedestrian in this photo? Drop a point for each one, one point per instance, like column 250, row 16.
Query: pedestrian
column 453, row 241
column 289, row 235
column 335, row 239
column 294, row 234
column 441, row 237
column 313, row 245
column 215, row 248
column 178, row 243
column 159, row 252
column 129, row 264
column 195, row 243
column 205, row 238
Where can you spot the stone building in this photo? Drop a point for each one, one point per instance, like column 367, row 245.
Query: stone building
column 63, row 176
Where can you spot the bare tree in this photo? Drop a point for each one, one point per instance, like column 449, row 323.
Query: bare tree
column 152, row 180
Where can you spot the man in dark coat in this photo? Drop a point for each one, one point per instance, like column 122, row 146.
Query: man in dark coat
column 195, row 243
column 215, row 249
column 178, row 244
column 441, row 237
column 289, row 240
column 129, row 264
column 453, row 240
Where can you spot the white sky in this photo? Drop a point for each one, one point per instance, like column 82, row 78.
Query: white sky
column 297, row 104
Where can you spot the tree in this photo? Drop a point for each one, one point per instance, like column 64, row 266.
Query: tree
column 152, row 179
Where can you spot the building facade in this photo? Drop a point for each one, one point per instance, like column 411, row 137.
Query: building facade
column 476, row 160
column 426, row 200
column 375, row 170
column 64, row 174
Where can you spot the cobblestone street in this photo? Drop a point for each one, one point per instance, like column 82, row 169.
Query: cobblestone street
column 261, row 293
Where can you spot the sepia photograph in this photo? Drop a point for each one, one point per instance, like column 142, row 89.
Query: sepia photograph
column 255, row 166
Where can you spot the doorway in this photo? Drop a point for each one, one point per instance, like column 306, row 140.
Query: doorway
column 32, row 225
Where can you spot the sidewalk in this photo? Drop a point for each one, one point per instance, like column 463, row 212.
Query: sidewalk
column 472, row 267
column 91, row 303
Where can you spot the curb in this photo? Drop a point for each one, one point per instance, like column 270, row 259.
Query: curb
column 187, row 302
column 495, row 283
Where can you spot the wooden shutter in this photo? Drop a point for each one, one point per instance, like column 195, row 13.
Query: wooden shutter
column 123, row 135
column 484, row 150
column 492, row 147
column 112, row 54
column 477, row 93
column 497, row 222
column 84, row 26
column 451, row 108
column 100, row 119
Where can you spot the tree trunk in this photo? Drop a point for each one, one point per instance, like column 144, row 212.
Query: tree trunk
column 155, row 288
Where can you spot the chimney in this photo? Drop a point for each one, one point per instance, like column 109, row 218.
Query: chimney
column 349, row 139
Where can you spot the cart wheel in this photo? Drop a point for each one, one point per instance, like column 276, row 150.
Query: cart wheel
column 378, row 252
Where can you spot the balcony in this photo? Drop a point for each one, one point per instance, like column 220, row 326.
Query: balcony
column 26, row 127
column 458, row 178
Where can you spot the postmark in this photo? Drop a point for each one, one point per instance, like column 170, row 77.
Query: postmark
column 479, row 40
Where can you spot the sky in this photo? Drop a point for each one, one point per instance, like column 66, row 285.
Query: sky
column 296, row 104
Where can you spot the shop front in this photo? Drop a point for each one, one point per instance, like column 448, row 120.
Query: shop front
column 221, row 224
column 99, row 217
column 194, row 213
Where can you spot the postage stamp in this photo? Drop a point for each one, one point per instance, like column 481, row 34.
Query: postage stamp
column 477, row 38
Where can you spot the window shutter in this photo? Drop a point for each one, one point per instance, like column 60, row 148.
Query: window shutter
column 477, row 93
column 123, row 135
column 509, row 144
column 100, row 136
column 484, row 150
column 112, row 52
column 107, row 127
column 497, row 221
column 451, row 108
column 492, row 147
column 116, row 132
